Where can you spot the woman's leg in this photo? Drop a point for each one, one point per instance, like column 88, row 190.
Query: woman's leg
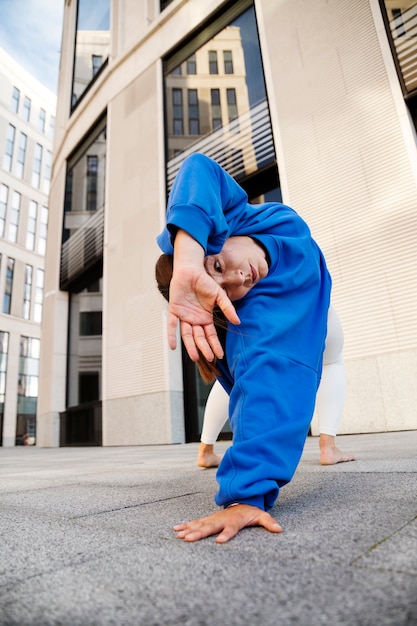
column 215, row 417
column 332, row 393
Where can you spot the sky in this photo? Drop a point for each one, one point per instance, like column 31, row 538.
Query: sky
column 30, row 32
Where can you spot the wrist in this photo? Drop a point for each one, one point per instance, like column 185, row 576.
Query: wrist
column 187, row 251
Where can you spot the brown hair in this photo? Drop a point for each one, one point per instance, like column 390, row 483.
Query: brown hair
column 163, row 274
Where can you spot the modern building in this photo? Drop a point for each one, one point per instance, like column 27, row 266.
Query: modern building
column 314, row 103
column 27, row 116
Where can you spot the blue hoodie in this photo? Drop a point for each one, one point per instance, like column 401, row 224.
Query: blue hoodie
column 273, row 359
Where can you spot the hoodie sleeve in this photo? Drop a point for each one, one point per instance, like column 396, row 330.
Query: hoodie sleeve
column 205, row 201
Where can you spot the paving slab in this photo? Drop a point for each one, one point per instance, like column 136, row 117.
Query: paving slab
column 86, row 539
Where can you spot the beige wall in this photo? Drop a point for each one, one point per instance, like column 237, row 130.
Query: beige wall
column 346, row 167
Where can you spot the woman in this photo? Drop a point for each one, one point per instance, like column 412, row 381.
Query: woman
column 269, row 351
column 329, row 404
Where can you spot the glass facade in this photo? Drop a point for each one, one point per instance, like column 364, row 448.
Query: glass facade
column 400, row 18
column 82, row 247
column 220, row 109
column 27, row 394
column 4, row 346
column 92, row 44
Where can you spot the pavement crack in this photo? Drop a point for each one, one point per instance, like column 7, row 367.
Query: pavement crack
column 132, row 506
column 357, row 561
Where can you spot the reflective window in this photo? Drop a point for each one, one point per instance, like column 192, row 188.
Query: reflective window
column 15, row 100
column 27, row 292
column 37, row 166
column 31, row 225
column 42, row 120
column 7, row 298
column 92, row 44
column 43, row 231
column 14, row 217
column 84, row 208
column 222, row 110
column 47, row 178
column 40, row 281
column 8, row 152
column 4, row 346
column 21, row 155
column 402, row 28
column 4, row 194
column 26, row 109
column 27, row 390
column 85, row 339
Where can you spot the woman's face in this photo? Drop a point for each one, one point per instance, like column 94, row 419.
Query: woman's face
column 239, row 266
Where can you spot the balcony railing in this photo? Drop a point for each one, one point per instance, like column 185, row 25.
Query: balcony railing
column 241, row 147
column 82, row 251
column 404, row 35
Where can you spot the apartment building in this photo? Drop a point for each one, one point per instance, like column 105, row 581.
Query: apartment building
column 27, row 117
column 313, row 104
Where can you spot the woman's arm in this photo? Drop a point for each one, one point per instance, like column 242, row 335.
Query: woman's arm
column 193, row 296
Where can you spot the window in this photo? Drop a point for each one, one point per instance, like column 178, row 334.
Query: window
column 40, row 281
column 85, row 311
column 7, row 298
column 213, row 67
column 235, row 118
column 193, row 118
column 96, row 62
column 26, row 109
column 84, row 202
column 90, row 323
column 231, row 104
column 37, row 166
column 228, row 61
column 27, row 390
column 92, row 44
column 92, row 170
column 51, row 128
column 14, row 217
column 8, row 153
column 4, row 194
column 178, row 114
column 47, row 178
column 191, row 65
column 4, row 346
column 42, row 120
column 21, row 155
column 15, row 100
column 27, row 292
column 216, row 112
column 31, row 225
column 43, row 231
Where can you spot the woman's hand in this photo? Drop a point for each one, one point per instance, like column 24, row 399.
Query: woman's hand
column 193, row 296
column 228, row 523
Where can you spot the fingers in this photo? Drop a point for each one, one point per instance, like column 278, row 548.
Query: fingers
column 228, row 523
column 172, row 330
column 198, row 529
column 227, row 307
column 202, row 337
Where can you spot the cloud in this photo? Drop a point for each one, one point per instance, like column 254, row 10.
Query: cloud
column 31, row 33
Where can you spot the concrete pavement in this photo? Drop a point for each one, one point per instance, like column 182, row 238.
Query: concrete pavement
column 86, row 539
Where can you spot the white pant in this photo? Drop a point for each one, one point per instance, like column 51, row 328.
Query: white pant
column 330, row 397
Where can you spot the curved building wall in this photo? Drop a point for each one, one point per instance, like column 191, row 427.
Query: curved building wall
column 347, row 159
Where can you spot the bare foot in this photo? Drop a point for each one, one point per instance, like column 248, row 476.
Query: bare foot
column 330, row 454
column 207, row 457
